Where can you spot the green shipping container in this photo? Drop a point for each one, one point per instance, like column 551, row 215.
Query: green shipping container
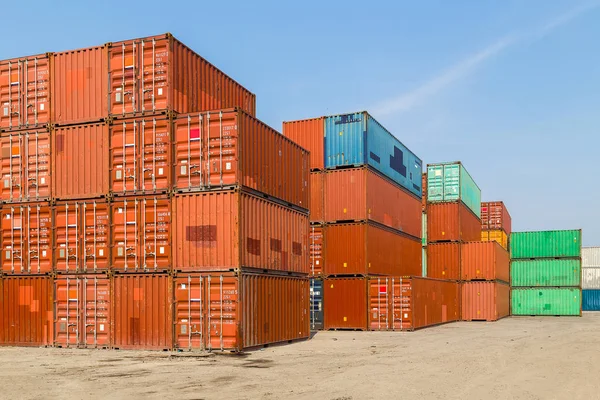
column 545, row 244
column 424, row 230
column 424, row 261
column 448, row 182
column 545, row 301
column 546, row 272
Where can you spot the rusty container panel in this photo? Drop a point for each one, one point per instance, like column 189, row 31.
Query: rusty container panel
column 80, row 161
column 140, row 156
column 452, row 222
column 25, row 92
column 26, row 173
column 141, row 234
column 82, row 311
column 359, row 194
column 142, row 312
column 26, row 315
column 310, row 134
column 227, row 148
column 159, row 73
column 232, row 230
column 81, row 236
column 317, row 246
column 234, row 312
column 317, row 197
column 485, row 301
column 79, row 86
column 345, row 303
column 406, row 304
column 495, row 216
column 368, row 249
column 27, row 238
column 443, row 261
column 484, row 261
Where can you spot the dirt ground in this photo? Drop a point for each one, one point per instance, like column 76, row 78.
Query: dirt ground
column 516, row 358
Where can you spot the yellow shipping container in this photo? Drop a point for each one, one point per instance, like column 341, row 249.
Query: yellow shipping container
column 495, row 235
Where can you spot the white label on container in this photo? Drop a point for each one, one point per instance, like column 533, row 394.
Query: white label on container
column 8, row 254
column 7, row 183
column 119, row 174
column 183, row 170
column 405, row 316
column 101, row 327
column 101, row 253
column 120, row 252
column 61, row 253
column 160, row 91
column 5, row 111
column 161, row 250
column 183, row 285
column 43, row 253
column 118, row 97
column 42, row 107
column 438, row 173
column 160, row 171
column 63, row 319
column 317, row 262
column 228, row 166
column 43, row 181
column 120, row 210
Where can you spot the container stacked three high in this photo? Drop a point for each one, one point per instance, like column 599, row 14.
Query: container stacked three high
column 144, row 206
column 590, row 279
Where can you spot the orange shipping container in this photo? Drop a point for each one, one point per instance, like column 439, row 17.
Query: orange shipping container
column 345, row 303
column 159, row 73
column 227, row 148
column 310, row 134
column 485, row 301
column 140, row 155
column 25, row 92
column 82, row 311
column 26, row 174
column 406, row 304
column 424, row 191
column 26, row 317
column 232, row 230
column 235, row 312
column 81, row 236
column 79, row 85
column 27, row 238
column 359, row 194
column 452, row 222
column 317, row 244
column 484, row 261
column 141, row 234
column 495, row 216
column 443, row 260
column 80, row 161
column 317, row 197
column 142, row 312
column 368, row 249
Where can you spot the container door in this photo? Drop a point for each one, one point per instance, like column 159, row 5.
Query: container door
column 67, row 312
column 124, row 78
column 452, row 182
column 95, row 230
column 316, row 304
column 190, row 152
column 316, row 250
column 222, row 313
column 14, row 240
column 37, row 170
column 36, row 91
column 11, row 94
column 190, row 312
column 124, row 154
column 401, row 304
column 12, row 168
column 435, row 183
column 67, row 237
column 126, row 235
column 95, row 312
column 155, row 160
column 39, row 237
column 222, row 141
column 379, row 302
column 156, row 223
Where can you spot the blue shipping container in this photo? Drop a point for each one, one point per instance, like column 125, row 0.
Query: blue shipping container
column 316, row 304
column 358, row 139
column 590, row 300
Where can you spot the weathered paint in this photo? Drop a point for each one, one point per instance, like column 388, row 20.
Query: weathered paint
column 545, row 244
column 590, row 278
column 546, row 272
column 590, row 257
column 546, row 301
column 452, row 182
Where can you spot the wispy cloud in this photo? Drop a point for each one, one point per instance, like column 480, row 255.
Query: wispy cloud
column 408, row 100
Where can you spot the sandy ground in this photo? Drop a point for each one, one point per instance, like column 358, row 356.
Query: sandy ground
column 516, row 358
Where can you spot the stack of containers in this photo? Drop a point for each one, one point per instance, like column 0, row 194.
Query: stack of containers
column 496, row 223
column 546, row 273
column 365, row 206
column 590, row 279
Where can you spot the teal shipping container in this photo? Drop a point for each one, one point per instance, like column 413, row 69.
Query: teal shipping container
column 590, row 300
column 546, row 272
column 358, row 139
column 448, row 182
column 545, row 244
column 545, row 301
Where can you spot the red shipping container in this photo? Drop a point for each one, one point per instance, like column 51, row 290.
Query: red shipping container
column 26, row 174
column 234, row 312
column 232, row 230
column 142, row 312
column 484, row 261
column 317, row 244
column 25, row 92
column 81, row 236
column 443, row 260
column 317, row 197
column 409, row 303
column 359, row 194
column 79, row 85
column 424, row 191
column 345, row 303
column 140, row 155
column 80, row 158
column 27, row 238
column 227, row 148
column 82, row 311
column 452, row 222
column 368, row 249
column 310, row 134
column 485, row 301
column 159, row 73
column 495, row 216
column 26, row 317
column 141, row 234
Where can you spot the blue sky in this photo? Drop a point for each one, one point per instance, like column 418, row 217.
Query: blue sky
column 511, row 88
